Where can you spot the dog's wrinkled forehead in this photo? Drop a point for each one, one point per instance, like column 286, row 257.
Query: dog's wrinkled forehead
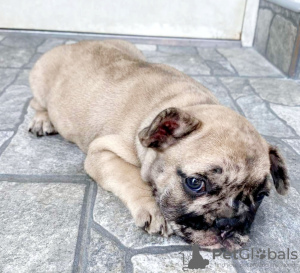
column 228, row 158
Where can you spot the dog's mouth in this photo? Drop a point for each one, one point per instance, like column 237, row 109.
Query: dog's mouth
column 211, row 238
column 228, row 233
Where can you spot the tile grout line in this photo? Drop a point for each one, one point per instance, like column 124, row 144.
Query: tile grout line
column 267, row 103
column 80, row 257
column 131, row 252
column 105, row 233
column 84, row 251
column 237, row 266
column 153, row 250
column 211, row 70
column 128, row 263
column 282, row 120
column 294, row 138
column 35, row 52
column 236, row 73
column 43, row 178
column 81, row 227
column 240, row 110
column 114, row 240
column 16, row 127
column 19, row 70
column 268, row 38
column 280, row 104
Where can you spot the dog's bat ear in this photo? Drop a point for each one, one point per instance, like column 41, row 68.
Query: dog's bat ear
column 278, row 171
column 169, row 126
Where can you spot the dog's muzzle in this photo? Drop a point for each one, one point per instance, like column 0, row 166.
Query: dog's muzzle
column 239, row 224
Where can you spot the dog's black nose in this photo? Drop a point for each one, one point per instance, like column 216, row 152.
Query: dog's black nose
column 240, row 224
column 224, row 224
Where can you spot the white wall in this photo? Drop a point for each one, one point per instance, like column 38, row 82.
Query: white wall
column 219, row 19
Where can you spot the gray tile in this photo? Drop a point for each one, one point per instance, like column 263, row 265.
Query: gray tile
column 6, row 77
column 177, row 262
column 264, row 121
column 255, row 110
column 189, row 64
column 39, row 226
column 49, row 44
column 218, row 90
column 290, row 114
column 217, row 63
column 282, row 91
column 22, row 41
column 15, row 57
column 46, row 155
column 248, row 62
column 118, row 221
column 33, row 60
column 238, row 87
column 23, row 78
column 154, row 54
column 175, row 50
column 276, row 228
column 218, row 69
column 2, row 37
column 281, row 43
column 146, row 47
column 262, row 30
column 5, row 135
column 294, row 143
column 11, row 105
column 104, row 256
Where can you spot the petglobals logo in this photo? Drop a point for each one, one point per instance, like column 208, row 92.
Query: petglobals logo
column 262, row 254
column 268, row 258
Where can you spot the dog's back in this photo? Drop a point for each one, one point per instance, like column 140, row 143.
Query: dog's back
column 90, row 89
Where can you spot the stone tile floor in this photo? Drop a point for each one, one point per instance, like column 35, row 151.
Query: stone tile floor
column 53, row 218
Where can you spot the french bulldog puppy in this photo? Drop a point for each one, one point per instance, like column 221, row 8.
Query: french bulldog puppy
column 159, row 140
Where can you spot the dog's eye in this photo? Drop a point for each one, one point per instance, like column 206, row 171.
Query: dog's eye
column 195, row 184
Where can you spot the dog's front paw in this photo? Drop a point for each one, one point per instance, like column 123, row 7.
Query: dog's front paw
column 149, row 217
column 41, row 125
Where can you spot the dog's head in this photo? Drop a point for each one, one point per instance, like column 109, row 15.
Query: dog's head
column 209, row 169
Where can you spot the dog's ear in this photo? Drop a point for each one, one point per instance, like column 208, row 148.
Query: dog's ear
column 168, row 127
column 278, row 171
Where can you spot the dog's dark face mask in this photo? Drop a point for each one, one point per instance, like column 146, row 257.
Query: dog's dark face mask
column 209, row 180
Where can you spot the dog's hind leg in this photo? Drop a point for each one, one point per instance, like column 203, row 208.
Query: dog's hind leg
column 40, row 124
